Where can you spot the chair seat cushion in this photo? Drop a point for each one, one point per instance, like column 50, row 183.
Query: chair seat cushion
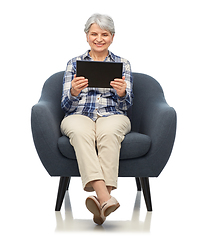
column 133, row 146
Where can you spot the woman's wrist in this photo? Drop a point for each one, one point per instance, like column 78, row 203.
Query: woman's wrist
column 73, row 92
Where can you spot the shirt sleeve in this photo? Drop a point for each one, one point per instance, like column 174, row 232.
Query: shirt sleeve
column 69, row 103
column 125, row 102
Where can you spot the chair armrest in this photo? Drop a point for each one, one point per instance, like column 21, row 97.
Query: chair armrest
column 45, row 123
column 44, row 119
column 156, row 118
column 159, row 122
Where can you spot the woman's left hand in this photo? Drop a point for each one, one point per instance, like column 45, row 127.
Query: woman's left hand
column 120, row 86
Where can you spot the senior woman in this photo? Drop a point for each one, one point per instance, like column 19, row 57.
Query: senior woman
column 95, row 118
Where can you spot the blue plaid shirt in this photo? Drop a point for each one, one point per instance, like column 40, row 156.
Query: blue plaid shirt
column 92, row 102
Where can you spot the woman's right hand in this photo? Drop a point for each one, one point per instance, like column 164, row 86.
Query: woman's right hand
column 78, row 84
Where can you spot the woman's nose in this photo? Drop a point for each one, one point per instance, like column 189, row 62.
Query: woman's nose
column 99, row 38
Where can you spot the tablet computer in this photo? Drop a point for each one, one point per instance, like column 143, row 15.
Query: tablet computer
column 99, row 74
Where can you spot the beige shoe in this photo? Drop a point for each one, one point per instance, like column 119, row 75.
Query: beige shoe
column 110, row 206
column 93, row 205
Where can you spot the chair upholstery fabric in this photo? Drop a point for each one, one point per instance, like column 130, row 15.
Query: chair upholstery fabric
column 134, row 145
column 144, row 152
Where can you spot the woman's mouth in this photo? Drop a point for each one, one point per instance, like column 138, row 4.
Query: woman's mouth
column 99, row 44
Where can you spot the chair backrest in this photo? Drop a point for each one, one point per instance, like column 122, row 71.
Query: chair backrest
column 145, row 89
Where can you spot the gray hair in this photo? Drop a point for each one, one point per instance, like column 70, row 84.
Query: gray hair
column 103, row 21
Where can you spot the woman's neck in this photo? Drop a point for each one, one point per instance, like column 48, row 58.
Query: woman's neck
column 98, row 56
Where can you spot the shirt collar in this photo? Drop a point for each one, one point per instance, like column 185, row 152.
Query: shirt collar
column 112, row 56
column 86, row 55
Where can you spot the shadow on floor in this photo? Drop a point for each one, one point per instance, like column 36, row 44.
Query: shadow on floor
column 68, row 224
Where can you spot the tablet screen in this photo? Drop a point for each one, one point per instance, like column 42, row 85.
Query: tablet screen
column 99, row 74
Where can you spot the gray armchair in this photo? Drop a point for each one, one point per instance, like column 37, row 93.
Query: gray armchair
column 144, row 151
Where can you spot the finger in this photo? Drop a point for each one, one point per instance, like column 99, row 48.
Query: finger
column 114, row 84
column 118, row 89
column 118, row 83
column 118, row 80
column 85, row 86
column 80, row 84
column 79, row 81
column 79, row 78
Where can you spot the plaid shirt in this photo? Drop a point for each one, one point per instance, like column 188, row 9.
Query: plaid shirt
column 92, row 102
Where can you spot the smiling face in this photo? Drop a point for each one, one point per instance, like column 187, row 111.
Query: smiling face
column 99, row 39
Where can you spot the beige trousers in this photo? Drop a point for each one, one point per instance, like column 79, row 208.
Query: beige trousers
column 105, row 134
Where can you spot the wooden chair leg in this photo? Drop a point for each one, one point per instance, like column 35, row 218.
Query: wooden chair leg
column 63, row 186
column 146, row 192
column 138, row 184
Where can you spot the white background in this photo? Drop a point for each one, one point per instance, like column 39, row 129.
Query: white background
column 160, row 38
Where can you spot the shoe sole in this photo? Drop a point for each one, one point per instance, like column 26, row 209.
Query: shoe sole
column 92, row 206
column 98, row 220
column 111, row 209
column 94, row 209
